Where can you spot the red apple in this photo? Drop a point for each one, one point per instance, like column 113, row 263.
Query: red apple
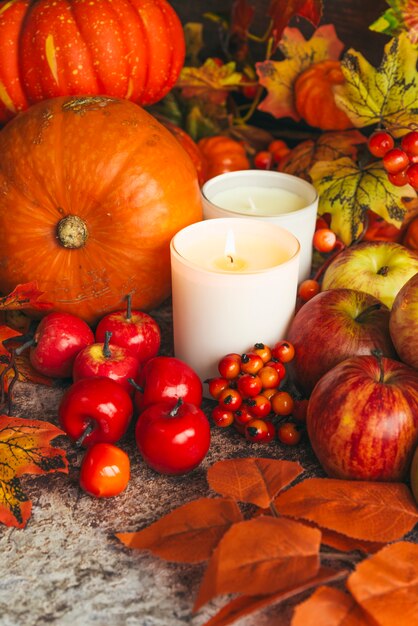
column 136, row 331
column 58, row 339
column 380, row 268
column 403, row 323
column 333, row 326
column 102, row 359
column 165, row 378
column 362, row 419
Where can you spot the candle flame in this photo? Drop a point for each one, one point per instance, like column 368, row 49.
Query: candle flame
column 230, row 245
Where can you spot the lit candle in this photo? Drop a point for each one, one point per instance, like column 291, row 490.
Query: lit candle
column 274, row 197
column 222, row 306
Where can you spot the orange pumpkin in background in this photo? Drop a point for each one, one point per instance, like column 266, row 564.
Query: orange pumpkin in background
column 130, row 49
column 92, row 191
column 223, row 154
column 189, row 145
column 314, row 97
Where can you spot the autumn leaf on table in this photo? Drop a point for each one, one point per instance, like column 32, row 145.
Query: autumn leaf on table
column 263, row 555
column 25, row 448
column 24, row 296
column 346, row 191
column 209, row 82
column 188, row 534
column 330, row 607
column 386, row 585
column 252, row 480
column 402, row 15
column 282, row 11
column 24, row 368
column 279, row 77
column 387, row 95
column 369, row 511
column 328, row 147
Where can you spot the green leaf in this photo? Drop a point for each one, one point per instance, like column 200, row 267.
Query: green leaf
column 402, row 16
column 387, row 95
column 199, row 125
column 193, row 34
column 347, row 191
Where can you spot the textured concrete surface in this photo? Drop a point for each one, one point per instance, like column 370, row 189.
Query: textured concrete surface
column 67, row 569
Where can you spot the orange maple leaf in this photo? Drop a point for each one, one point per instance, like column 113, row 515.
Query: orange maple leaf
column 25, row 449
column 24, row 296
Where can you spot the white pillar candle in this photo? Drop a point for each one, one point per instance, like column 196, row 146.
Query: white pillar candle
column 227, row 300
column 273, row 197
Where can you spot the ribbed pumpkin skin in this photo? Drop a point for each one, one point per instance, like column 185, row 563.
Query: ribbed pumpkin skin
column 314, row 98
column 113, row 165
column 131, row 49
column 222, row 154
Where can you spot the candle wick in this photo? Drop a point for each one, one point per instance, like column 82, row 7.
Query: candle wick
column 230, row 257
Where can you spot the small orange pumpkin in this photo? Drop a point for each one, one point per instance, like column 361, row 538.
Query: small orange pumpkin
column 92, row 191
column 223, row 154
column 314, row 97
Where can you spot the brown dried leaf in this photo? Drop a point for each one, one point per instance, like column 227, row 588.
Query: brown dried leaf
column 330, row 607
column 379, row 512
column 253, row 480
column 261, row 556
column 386, row 585
column 245, row 605
column 188, row 534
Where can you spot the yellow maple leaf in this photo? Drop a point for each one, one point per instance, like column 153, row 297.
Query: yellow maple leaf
column 279, row 77
column 210, row 81
column 387, row 95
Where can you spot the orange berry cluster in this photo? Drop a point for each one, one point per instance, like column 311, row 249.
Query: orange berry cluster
column 250, row 398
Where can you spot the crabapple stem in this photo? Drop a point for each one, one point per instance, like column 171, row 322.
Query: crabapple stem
column 87, row 431
column 24, row 346
column 176, row 407
column 378, row 354
column 135, row 385
column 129, row 306
column 106, row 349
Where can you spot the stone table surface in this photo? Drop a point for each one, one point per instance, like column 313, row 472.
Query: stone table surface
column 66, row 567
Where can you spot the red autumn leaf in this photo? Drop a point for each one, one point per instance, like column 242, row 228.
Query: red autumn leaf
column 242, row 13
column 330, row 607
column 252, row 480
column 24, row 296
column 264, row 555
column 282, row 11
column 188, row 534
column 24, row 368
column 343, row 543
column 386, row 585
column 25, row 449
column 379, row 512
column 245, row 605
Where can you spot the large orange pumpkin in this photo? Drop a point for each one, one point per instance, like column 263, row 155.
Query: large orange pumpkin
column 92, row 189
column 130, row 49
column 314, row 97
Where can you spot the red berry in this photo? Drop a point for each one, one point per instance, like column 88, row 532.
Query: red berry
column 288, row 433
column 217, row 385
column 278, row 148
column 282, row 403
column 105, row 470
column 400, row 179
column 230, row 366
column 263, row 351
column 251, row 363
column 263, row 160
column 284, row 351
column 249, row 385
column 380, row 142
column 242, row 416
column 409, row 143
column 230, row 399
column 412, row 175
column 395, row 161
column 278, row 365
column 257, row 431
column 269, row 377
column 259, row 406
column 324, row 240
column 222, row 417
column 308, row 289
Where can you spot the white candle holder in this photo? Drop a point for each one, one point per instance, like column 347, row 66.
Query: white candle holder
column 289, row 202
column 216, row 311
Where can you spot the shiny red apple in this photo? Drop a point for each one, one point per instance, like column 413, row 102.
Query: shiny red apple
column 332, row 326
column 165, row 378
column 103, row 359
column 403, row 323
column 134, row 330
column 362, row 419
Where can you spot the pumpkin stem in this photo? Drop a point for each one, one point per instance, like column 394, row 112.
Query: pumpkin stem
column 72, row 232
column 129, row 306
column 106, row 348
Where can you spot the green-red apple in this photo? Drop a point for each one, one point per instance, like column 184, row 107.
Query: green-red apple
column 380, row 268
column 362, row 419
column 333, row 326
column 403, row 322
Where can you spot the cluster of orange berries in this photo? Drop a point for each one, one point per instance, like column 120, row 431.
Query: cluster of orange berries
column 250, row 398
column 271, row 158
